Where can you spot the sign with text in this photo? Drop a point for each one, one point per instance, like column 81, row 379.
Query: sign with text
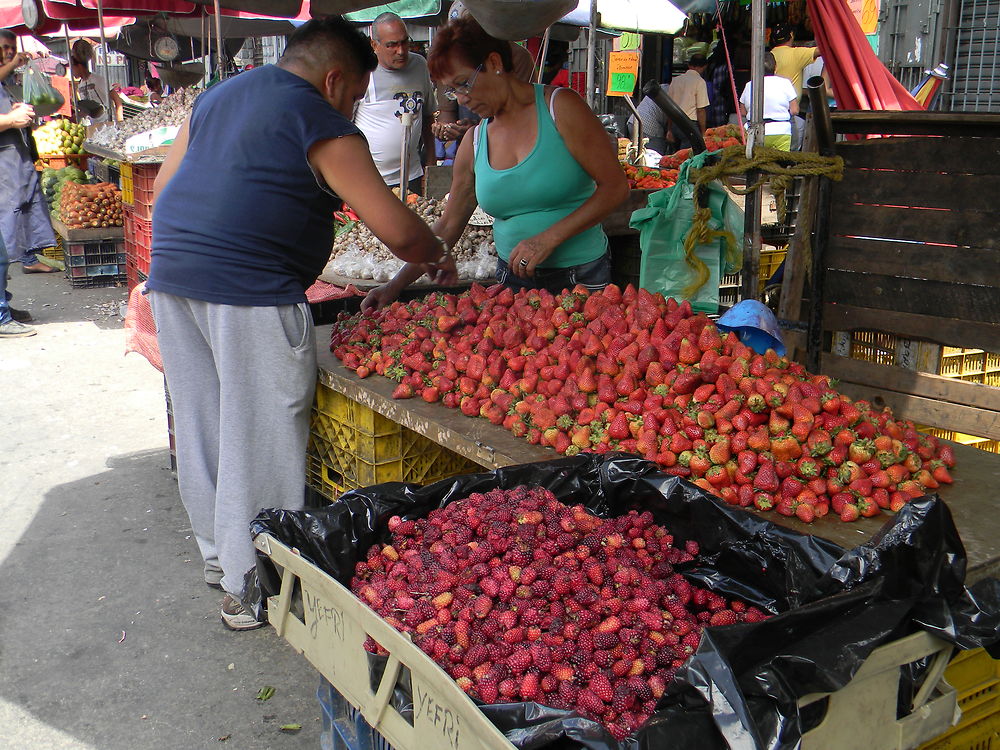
column 866, row 13
column 623, row 71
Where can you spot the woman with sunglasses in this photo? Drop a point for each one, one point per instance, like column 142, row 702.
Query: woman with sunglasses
column 540, row 163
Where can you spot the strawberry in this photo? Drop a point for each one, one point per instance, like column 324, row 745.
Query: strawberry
column 897, row 500
column 939, row 471
column 766, row 479
column 403, row 390
column 719, row 453
column 746, row 461
column 849, row 513
column 861, row 451
column 808, row 468
column 763, row 501
column 805, row 512
column 710, row 339
column 688, row 354
column 947, row 456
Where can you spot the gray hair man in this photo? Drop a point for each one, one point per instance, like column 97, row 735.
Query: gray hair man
column 399, row 85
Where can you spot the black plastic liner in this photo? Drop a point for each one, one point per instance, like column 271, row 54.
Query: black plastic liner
column 832, row 606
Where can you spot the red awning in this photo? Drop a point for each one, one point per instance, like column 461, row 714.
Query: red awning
column 860, row 81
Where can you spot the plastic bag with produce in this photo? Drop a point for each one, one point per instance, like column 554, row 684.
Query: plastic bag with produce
column 39, row 93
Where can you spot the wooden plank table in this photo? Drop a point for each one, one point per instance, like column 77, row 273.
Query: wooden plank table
column 90, row 234
column 972, row 499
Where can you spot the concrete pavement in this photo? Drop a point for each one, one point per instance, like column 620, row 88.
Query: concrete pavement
column 109, row 639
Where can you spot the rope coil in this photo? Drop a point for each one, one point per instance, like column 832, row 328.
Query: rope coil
column 778, row 169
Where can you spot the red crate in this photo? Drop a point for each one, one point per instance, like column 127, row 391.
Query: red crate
column 138, row 241
column 143, row 177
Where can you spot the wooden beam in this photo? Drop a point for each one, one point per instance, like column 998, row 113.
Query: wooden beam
column 957, row 228
column 798, row 258
column 917, row 123
column 928, row 411
column 913, row 260
column 941, row 330
column 950, row 190
column 923, row 155
column 897, row 379
column 883, row 292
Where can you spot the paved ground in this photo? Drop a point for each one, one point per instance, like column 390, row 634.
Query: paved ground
column 109, row 639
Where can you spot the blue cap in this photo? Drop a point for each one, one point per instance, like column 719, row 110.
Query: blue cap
column 756, row 326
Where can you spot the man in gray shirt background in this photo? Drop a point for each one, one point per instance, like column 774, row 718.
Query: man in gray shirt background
column 400, row 84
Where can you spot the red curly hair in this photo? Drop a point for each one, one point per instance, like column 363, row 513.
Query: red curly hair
column 464, row 40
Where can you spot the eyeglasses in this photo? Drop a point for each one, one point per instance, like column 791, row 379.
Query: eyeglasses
column 464, row 89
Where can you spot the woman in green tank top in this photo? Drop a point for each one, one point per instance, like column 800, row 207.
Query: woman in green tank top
column 540, row 163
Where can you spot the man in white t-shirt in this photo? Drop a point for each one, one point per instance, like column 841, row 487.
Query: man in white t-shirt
column 781, row 103
column 399, row 84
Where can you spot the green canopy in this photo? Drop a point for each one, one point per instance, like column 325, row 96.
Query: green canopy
column 402, row 8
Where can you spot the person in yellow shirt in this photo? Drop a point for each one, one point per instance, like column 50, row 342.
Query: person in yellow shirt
column 790, row 62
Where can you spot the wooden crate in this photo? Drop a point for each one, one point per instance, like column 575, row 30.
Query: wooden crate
column 328, row 625
column 909, row 249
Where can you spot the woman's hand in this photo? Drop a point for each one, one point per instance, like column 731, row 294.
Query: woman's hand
column 528, row 254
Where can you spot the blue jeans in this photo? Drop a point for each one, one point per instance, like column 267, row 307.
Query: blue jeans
column 4, row 294
column 594, row 275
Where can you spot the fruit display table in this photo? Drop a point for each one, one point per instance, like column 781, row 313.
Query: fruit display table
column 970, row 498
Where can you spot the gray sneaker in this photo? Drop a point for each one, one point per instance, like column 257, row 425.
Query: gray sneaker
column 235, row 615
column 213, row 575
column 12, row 330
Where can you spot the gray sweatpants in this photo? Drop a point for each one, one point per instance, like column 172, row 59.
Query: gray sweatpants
column 241, row 383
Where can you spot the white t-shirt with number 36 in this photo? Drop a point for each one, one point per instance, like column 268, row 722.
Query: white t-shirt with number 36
column 379, row 116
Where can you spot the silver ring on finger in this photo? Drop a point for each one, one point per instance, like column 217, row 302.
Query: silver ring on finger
column 524, row 262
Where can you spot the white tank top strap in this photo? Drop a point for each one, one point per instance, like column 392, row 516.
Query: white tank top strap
column 475, row 139
column 552, row 102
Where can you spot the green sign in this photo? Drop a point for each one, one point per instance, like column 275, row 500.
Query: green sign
column 622, row 84
column 630, row 40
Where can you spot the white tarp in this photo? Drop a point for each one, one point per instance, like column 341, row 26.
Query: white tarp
column 648, row 16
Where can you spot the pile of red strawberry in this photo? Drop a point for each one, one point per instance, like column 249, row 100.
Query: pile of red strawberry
column 522, row 598
column 635, row 372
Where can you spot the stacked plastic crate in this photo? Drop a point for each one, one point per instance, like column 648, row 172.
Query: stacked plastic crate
column 137, row 197
column 970, row 365
column 352, row 446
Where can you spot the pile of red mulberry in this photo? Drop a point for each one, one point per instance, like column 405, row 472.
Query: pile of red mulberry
column 522, row 598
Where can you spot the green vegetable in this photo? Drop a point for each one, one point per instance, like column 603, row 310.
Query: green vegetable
column 265, row 693
column 291, row 727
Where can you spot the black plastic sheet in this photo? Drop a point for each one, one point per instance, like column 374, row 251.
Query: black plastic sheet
column 832, row 606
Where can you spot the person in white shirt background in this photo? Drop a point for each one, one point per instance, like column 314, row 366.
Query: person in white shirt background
column 91, row 87
column 781, row 103
column 399, row 84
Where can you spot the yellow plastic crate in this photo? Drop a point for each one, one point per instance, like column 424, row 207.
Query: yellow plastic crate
column 874, row 346
column 770, row 261
column 55, row 253
column 976, row 678
column 352, row 446
column 128, row 195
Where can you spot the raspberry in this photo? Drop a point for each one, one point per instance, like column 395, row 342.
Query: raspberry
column 519, row 661
column 475, row 656
column 589, row 704
column 529, row 686
column 605, row 640
column 723, row 617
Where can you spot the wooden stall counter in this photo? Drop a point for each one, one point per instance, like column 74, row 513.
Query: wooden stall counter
column 972, row 499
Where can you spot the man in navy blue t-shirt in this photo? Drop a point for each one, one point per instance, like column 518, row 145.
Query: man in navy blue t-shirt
column 242, row 226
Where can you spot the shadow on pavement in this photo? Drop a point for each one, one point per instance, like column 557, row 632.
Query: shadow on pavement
column 50, row 299
column 109, row 634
